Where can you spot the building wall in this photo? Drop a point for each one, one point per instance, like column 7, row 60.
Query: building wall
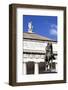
column 36, row 46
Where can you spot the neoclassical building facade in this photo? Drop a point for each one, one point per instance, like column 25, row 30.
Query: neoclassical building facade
column 34, row 51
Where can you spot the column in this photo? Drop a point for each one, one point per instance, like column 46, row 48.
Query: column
column 24, row 68
column 36, row 68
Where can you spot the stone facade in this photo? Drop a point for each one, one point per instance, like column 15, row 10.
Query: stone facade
column 34, row 52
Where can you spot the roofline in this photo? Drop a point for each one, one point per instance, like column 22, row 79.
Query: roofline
column 50, row 40
column 40, row 40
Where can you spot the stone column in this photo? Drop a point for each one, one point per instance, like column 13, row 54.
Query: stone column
column 36, row 68
column 24, row 68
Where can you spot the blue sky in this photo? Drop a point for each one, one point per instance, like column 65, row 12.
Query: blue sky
column 43, row 25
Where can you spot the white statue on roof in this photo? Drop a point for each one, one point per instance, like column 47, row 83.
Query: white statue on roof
column 30, row 27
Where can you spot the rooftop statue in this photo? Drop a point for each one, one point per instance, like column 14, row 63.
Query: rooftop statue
column 30, row 27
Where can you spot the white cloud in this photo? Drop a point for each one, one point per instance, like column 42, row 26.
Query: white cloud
column 54, row 26
column 53, row 30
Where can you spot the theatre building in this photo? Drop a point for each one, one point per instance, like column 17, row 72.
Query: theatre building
column 34, row 52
